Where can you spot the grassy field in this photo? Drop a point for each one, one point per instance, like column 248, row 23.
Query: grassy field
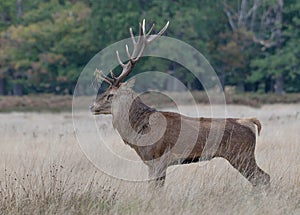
column 43, row 171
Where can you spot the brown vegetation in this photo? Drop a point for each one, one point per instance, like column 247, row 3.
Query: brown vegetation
column 50, row 102
column 43, row 171
column 41, row 102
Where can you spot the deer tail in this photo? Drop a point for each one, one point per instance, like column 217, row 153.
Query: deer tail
column 257, row 123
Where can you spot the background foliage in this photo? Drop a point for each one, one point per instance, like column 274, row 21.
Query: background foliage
column 252, row 44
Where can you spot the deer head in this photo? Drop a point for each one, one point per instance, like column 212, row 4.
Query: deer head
column 103, row 102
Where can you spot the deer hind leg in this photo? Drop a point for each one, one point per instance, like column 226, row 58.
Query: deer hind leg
column 157, row 182
column 157, row 176
column 248, row 167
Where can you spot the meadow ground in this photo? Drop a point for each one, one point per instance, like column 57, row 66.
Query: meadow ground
column 43, row 171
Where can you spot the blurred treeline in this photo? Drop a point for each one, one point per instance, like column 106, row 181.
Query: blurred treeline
column 252, row 44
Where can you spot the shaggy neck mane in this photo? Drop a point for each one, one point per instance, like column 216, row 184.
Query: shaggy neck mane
column 139, row 114
column 130, row 115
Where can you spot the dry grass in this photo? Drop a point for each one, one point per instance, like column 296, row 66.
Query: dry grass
column 43, row 171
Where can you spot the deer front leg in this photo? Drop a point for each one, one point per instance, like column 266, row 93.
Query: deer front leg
column 157, row 180
column 157, row 175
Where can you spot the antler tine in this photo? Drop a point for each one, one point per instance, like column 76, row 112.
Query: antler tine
column 159, row 33
column 101, row 76
column 163, row 29
column 132, row 36
column 137, row 58
column 119, row 59
column 137, row 44
column 98, row 74
column 127, row 52
column 107, row 81
column 140, row 33
column 150, row 31
column 143, row 28
column 112, row 74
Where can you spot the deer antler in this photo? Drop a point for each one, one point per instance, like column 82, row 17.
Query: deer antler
column 138, row 49
column 100, row 76
column 139, row 46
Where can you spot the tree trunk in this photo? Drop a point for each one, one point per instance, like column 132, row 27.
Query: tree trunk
column 279, row 81
column 19, row 8
column 253, row 17
column 223, row 79
column 18, row 89
column 2, row 86
column 279, row 84
column 243, row 14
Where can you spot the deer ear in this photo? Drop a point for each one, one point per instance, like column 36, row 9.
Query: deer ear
column 130, row 83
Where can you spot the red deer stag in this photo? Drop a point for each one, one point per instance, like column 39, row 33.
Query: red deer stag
column 163, row 138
